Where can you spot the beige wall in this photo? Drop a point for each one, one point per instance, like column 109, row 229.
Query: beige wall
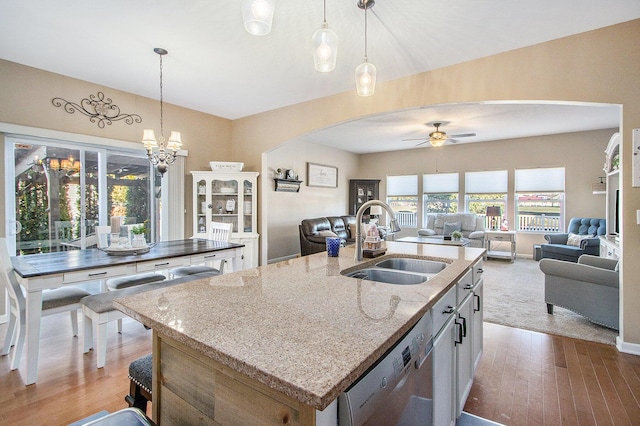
column 284, row 210
column 597, row 66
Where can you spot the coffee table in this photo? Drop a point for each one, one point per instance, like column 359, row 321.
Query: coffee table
column 435, row 240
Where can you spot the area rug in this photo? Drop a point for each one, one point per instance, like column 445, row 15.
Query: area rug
column 514, row 296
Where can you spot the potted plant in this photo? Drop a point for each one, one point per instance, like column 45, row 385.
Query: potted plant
column 456, row 235
column 139, row 239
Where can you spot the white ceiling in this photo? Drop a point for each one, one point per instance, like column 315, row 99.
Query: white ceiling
column 214, row 66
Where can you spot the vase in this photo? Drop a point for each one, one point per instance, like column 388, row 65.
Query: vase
column 138, row 240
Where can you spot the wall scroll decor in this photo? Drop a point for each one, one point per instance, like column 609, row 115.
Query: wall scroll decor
column 321, row 175
column 98, row 108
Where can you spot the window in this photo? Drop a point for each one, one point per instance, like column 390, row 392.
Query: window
column 440, row 193
column 540, row 199
column 64, row 190
column 402, row 197
column 486, row 189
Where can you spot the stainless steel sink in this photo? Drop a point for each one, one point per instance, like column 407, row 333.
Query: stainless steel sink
column 388, row 276
column 413, row 265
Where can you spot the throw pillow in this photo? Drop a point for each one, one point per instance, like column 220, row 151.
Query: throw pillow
column 327, row 234
column 575, row 239
column 450, row 227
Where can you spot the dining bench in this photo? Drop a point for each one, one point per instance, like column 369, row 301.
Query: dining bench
column 99, row 310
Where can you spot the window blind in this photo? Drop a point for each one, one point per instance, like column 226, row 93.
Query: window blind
column 402, row 185
column 549, row 179
column 443, row 183
column 489, row 182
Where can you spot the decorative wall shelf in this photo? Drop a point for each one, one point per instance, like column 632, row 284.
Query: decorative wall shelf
column 287, row 185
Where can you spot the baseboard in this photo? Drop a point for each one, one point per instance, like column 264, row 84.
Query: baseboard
column 280, row 259
column 627, row 348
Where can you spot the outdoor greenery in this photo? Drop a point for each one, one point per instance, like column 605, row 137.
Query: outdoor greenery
column 37, row 217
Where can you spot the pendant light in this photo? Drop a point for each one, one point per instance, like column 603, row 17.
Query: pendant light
column 166, row 151
column 325, row 46
column 365, row 72
column 257, row 16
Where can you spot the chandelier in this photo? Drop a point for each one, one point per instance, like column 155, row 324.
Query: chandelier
column 166, row 150
column 57, row 167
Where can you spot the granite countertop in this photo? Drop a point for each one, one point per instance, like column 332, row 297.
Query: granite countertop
column 299, row 326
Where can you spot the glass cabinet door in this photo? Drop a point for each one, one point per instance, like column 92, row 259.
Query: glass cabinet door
column 203, row 207
column 248, row 207
column 224, row 202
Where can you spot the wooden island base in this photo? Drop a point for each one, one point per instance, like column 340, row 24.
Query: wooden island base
column 191, row 388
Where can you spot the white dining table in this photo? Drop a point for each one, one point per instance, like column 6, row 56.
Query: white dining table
column 38, row 272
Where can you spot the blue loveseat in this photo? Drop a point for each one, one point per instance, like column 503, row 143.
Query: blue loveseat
column 581, row 238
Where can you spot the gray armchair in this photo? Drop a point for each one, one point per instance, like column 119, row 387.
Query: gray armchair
column 559, row 246
column 589, row 288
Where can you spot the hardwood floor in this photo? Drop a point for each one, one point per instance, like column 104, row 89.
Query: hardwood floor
column 524, row 378
column 69, row 386
column 528, row 378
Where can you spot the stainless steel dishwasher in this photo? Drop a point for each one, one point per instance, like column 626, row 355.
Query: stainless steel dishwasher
column 398, row 388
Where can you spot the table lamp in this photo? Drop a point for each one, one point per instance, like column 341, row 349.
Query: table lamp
column 374, row 213
column 493, row 212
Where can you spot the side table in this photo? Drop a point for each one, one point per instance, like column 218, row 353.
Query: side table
column 500, row 236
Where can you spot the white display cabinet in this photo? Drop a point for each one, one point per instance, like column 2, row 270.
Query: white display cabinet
column 228, row 197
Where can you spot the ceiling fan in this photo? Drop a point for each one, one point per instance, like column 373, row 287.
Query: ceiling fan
column 438, row 138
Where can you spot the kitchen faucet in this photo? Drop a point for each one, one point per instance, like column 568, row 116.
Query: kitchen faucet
column 393, row 224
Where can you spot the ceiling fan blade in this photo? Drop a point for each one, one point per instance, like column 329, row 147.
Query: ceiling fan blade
column 463, row 135
column 422, row 143
column 416, row 139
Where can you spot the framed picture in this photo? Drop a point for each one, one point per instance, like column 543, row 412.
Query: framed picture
column 322, row 175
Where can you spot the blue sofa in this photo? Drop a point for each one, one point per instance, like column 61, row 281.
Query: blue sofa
column 575, row 242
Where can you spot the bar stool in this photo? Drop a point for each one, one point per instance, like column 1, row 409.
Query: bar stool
column 140, row 374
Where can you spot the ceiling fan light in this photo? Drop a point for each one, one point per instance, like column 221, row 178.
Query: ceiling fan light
column 257, row 16
column 437, row 142
column 438, row 135
column 325, row 49
column 365, row 79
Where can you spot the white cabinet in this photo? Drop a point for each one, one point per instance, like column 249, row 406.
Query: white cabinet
column 230, row 198
column 476, row 324
column 469, row 335
column 464, row 367
column 478, row 316
column 444, row 353
column 609, row 245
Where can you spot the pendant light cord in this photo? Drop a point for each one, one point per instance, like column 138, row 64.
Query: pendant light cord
column 365, row 30
column 161, row 101
column 324, row 13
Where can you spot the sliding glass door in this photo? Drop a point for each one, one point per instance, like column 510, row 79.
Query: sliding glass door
column 63, row 191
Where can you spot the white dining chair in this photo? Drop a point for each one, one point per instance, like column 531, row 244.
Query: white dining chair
column 64, row 299
column 219, row 231
column 102, row 235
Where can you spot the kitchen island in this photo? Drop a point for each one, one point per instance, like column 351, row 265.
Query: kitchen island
column 279, row 343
